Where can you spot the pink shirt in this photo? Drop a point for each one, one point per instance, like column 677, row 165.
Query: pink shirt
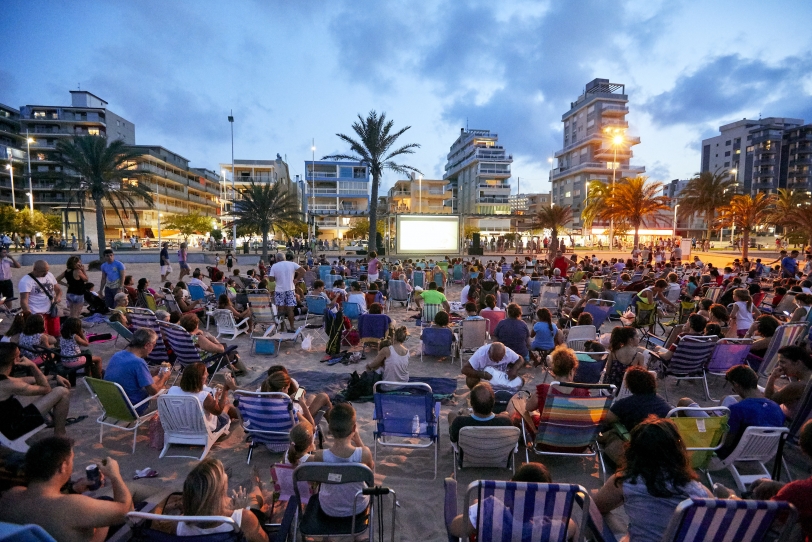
column 372, row 266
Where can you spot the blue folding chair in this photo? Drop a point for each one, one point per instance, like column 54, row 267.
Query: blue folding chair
column 373, row 328
column 457, row 279
column 316, row 306
column 437, row 342
column 146, row 318
column 351, row 310
column 419, row 279
column 197, row 292
column 623, row 301
column 406, row 410
column 267, row 418
column 600, row 309
column 121, row 331
column 219, row 288
column 325, row 270
column 590, row 367
column 704, row 520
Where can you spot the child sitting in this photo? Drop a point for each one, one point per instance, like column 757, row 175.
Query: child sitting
column 301, row 444
column 34, row 335
column 73, row 338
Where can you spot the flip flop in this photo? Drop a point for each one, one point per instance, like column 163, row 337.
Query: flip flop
column 77, row 419
column 145, row 473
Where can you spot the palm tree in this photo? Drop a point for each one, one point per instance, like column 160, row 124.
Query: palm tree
column 555, row 219
column 598, row 200
column 92, row 170
column 373, row 149
column 705, row 193
column 267, row 207
column 786, row 203
column 746, row 213
column 799, row 218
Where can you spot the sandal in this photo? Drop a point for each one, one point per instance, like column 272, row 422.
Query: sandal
column 77, row 419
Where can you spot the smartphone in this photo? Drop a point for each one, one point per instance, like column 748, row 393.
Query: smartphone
column 299, row 394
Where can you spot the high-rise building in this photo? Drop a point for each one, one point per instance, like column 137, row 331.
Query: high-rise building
column 12, row 157
column 525, row 207
column 247, row 171
column 799, row 165
column 477, row 173
column 590, row 151
column 335, row 194
column 418, row 196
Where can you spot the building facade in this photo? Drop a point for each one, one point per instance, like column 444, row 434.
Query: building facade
column 589, row 152
column 525, row 207
column 799, row 164
column 13, row 161
column 418, row 196
column 246, row 171
column 335, row 194
column 477, row 173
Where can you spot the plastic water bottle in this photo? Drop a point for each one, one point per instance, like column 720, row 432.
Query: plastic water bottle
column 416, row 425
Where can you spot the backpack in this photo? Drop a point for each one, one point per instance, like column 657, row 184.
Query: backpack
column 361, row 385
column 334, row 327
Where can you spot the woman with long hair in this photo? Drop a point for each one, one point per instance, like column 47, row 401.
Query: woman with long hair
column 216, row 406
column 280, row 382
column 655, row 475
column 224, row 303
column 624, row 352
column 75, row 278
column 393, row 357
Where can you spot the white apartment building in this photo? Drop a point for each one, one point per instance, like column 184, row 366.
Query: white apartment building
column 335, row 194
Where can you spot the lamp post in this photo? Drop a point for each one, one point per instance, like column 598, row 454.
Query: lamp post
column 617, row 140
column 313, row 195
column 674, row 230
column 10, row 169
column 233, row 187
column 28, row 141
column 735, row 173
column 420, row 192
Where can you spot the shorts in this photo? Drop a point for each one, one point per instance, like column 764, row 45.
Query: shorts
column 373, row 278
column 183, row 265
column 75, row 299
column 222, row 420
column 166, row 269
column 7, row 289
column 740, row 333
column 284, row 299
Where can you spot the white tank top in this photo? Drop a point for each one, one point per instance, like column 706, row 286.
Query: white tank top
column 396, row 366
column 336, row 499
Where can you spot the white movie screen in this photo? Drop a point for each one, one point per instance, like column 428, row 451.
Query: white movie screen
column 428, row 234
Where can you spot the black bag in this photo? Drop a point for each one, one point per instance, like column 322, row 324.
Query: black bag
column 334, row 326
column 361, row 385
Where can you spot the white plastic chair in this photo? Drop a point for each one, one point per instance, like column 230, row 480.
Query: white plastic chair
column 184, row 422
column 224, row 319
column 19, row 444
column 578, row 335
column 486, row 447
column 756, row 445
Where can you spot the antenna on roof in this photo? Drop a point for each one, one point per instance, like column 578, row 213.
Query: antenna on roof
column 466, row 124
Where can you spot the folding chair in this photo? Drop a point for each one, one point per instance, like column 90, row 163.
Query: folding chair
column 266, row 418
column 646, row 319
column 437, row 342
column 702, row 430
column 144, row 531
column 524, row 511
column 197, row 292
column 623, row 301
column 493, row 318
column 600, row 309
column 406, row 410
column 550, row 297
column 351, row 310
column 624, row 390
column 184, row 422
column 219, row 288
column 473, row 334
column 689, row 360
column 714, row 293
column 457, row 279
column 147, row 300
column 700, row 520
column 226, row 324
column 263, row 312
column 590, row 367
column 398, row 292
column 419, row 279
column 146, row 318
column 684, row 310
column 18, row 444
column 569, row 426
column 785, row 335
column 486, row 447
column 121, row 331
column 526, row 304
column 172, row 306
column 579, row 335
column 728, row 353
column 279, row 338
column 756, row 446
column 186, row 353
column 428, row 313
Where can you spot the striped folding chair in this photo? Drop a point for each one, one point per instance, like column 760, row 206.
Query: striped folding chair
column 429, row 312
column 486, row 447
column 689, row 360
column 700, row 520
column 186, row 353
column 785, row 335
column 524, row 511
column 267, row 418
column 146, row 318
column 262, row 310
column 728, row 353
column 714, row 293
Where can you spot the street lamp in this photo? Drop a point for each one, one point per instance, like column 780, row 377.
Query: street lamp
column 28, row 141
column 735, row 173
column 674, row 231
column 11, row 172
column 617, row 140
column 313, row 195
column 233, row 187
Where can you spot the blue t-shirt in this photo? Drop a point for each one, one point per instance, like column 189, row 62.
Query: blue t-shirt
column 789, row 264
column 132, row 373
column 544, row 339
column 513, row 333
column 753, row 412
column 113, row 271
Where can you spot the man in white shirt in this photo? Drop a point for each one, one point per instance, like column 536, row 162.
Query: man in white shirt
column 7, row 262
column 495, row 356
column 38, row 290
column 286, row 272
column 465, row 290
column 198, row 282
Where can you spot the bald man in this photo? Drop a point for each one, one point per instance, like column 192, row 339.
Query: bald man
column 38, row 290
column 495, row 357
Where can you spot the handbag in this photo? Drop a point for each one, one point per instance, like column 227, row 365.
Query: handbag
column 53, row 312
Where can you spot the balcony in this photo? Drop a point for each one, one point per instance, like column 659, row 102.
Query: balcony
column 603, row 166
column 613, row 123
column 490, row 199
column 400, row 193
column 309, row 176
column 614, row 110
column 493, row 172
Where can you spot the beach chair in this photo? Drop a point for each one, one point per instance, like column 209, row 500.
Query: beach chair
column 147, row 300
column 493, row 318
column 406, row 410
column 623, row 301
column 146, row 528
column 728, row 353
column 324, row 271
column 550, row 297
column 569, row 426
column 184, row 423
column 172, row 306
column 702, row 430
column 473, row 334
column 714, row 293
column 597, row 529
column 316, row 305
column 399, row 293
column 457, row 278
column 186, row 353
column 689, row 360
column 263, row 312
column 373, row 328
column 121, row 331
column 534, row 288
column 600, row 309
column 219, row 288
column 428, row 313
column 437, row 342
column 278, row 338
column 117, row 410
column 590, row 367
column 785, row 307
column 525, row 302
column 146, row 318
column 226, row 325
column 351, row 310
column 266, row 418
column 579, row 335
column 524, row 511
column 785, row 335
column 756, row 446
column 196, row 292
column 701, row 520
column 19, row 444
column 419, row 279
column 486, row 447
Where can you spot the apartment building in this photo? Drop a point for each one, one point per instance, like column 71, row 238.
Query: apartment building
column 335, row 194
column 246, row 171
column 799, row 163
column 524, row 208
column 12, row 157
column 418, row 196
column 477, row 173
column 590, row 151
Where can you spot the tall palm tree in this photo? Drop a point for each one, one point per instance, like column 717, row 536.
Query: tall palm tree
column 786, row 203
column 555, row 219
column 373, row 148
column 268, row 207
column 92, row 170
column 705, row 193
column 746, row 213
column 598, row 200
column 799, row 219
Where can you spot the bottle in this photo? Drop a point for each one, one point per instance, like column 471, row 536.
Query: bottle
column 415, row 425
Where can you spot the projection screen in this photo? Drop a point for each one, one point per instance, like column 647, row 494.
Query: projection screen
column 428, row 234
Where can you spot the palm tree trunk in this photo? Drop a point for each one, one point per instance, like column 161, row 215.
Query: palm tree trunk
column 745, row 242
column 373, row 215
column 637, row 236
column 100, row 237
column 553, row 245
column 264, row 245
column 708, row 221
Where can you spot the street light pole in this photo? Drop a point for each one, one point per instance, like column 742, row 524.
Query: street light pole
column 28, row 141
column 735, row 173
column 233, row 187
column 313, row 195
column 10, row 168
column 674, row 231
column 420, row 192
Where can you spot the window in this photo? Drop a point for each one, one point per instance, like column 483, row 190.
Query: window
column 93, row 131
column 568, row 194
column 727, row 143
column 727, row 164
column 39, row 114
column 727, row 153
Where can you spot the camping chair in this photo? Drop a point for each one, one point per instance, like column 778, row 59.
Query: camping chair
column 578, row 335
column 278, row 338
column 623, row 301
column 525, row 302
column 756, row 446
column 684, row 310
column 600, row 309
column 145, row 532
column 524, row 511
column 437, row 342
column 316, row 305
column 569, row 425
column 219, row 288
column 428, row 313
column 147, row 300
column 398, row 292
column 196, row 291
column 698, row 520
column 266, row 418
column 224, row 319
column 457, row 278
column 397, row 407
column 473, row 334
column 263, row 312
column 186, row 353
column 689, row 360
column 373, row 328
column 184, row 422
column 785, row 335
column 714, row 293
column 117, row 409
column 550, row 297
column 493, row 318
column 146, row 318
column 590, row 367
column 647, row 318
column 486, row 447
column 351, row 310
column 728, row 353
column 121, row 331
column 702, row 430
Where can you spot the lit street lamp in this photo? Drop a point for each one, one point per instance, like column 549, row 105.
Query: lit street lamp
column 28, row 141
column 312, row 195
column 674, row 230
column 233, row 188
column 617, row 140
column 11, row 172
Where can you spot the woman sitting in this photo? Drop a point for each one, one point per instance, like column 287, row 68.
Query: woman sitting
column 143, row 287
column 803, row 302
column 217, row 410
column 314, row 402
column 206, row 342
column 34, row 335
column 224, row 303
column 624, row 352
column 280, row 382
column 545, row 334
column 74, row 348
column 184, row 305
column 393, row 359
column 490, row 304
column 357, row 296
column 301, row 444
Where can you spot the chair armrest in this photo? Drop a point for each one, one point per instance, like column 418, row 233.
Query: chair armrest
column 243, row 321
column 150, row 398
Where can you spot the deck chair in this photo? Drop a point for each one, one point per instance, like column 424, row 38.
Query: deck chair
column 493, row 318
column 186, row 353
column 728, row 353
column 437, row 342
column 623, row 301
column 597, row 529
column 428, row 313
column 196, row 291
column 263, row 312
column 117, row 409
column 590, row 367
column 756, row 446
column 702, row 430
column 316, row 305
column 279, row 338
column 226, row 325
column 219, row 288
column 550, row 297
column 398, row 293
column 147, row 301
column 473, row 334
column 699, row 520
column 684, row 310
column 569, row 426
column 121, row 331
column 524, row 511
column 578, row 335
column 146, row 318
column 145, row 528
column 785, row 335
column 689, row 360
column 646, row 318
column 600, row 309
column 351, row 310
column 266, row 418
column 486, row 447
column 419, row 279
column 525, row 302
column 373, row 328
column 184, row 423
column 457, row 278
column 172, row 306
column 397, row 406
column 714, row 293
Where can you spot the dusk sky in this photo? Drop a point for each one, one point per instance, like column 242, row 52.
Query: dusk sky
column 293, row 71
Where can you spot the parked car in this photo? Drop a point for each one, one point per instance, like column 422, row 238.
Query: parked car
column 357, row 247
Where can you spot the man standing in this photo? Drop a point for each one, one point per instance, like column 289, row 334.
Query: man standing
column 789, row 265
column 496, row 357
column 112, row 278
column 88, row 244
column 561, row 263
column 7, row 262
column 286, row 272
column 38, row 291
column 166, row 268
column 66, row 517
column 129, row 369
